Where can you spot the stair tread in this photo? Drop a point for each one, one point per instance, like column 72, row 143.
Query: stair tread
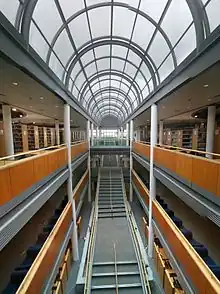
column 118, row 274
column 134, row 285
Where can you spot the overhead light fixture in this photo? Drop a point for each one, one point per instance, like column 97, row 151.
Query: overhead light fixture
column 15, row 83
column 196, row 116
column 21, row 115
column 14, row 109
column 163, row 106
column 41, row 98
column 210, row 99
column 34, row 122
column 205, row 86
column 57, row 106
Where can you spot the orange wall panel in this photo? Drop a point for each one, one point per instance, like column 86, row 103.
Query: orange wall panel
column 41, row 168
column 80, row 186
column 142, row 149
column 143, row 191
column 194, row 267
column 53, row 159
column 184, row 166
column 5, row 186
column 21, row 176
column 205, row 173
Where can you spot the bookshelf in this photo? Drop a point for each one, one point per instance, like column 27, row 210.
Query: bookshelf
column 17, row 137
column 31, row 141
column 49, row 142
column 41, row 137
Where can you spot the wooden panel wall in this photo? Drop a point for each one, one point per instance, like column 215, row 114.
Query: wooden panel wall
column 141, row 187
column 44, row 262
column 201, row 276
column 196, row 270
column 80, row 186
column 12, row 179
column 78, row 149
column 141, row 149
column 203, row 172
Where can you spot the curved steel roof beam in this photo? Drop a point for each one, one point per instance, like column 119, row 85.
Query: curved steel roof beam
column 114, row 57
column 112, row 87
column 107, row 98
column 102, row 41
column 108, row 89
column 114, row 73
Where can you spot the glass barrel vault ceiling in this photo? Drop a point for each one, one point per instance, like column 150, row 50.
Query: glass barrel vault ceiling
column 112, row 54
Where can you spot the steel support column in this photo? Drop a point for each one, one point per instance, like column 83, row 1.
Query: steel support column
column 153, row 141
column 70, row 180
column 131, row 158
column 89, row 161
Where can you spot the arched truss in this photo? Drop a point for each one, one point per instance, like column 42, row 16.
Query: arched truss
column 119, row 51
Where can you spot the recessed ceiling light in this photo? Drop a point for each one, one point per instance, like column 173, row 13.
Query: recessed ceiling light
column 163, row 106
column 196, row 116
column 33, row 122
column 21, row 115
column 210, row 99
column 14, row 109
column 15, row 83
column 41, row 98
column 57, row 105
column 205, row 86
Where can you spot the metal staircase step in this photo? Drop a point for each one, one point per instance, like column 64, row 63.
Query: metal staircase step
column 102, row 287
column 118, row 274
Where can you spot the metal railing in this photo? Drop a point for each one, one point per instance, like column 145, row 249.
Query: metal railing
column 108, row 141
column 91, row 246
column 19, row 156
column 141, row 262
column 116, row 270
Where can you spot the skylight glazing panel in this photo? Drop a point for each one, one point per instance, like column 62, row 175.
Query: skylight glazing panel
column 37, row 41
column 140, row 80
column 56, row 66
column 119, row 51
column 158, row 49
column 96, row 87
column 104, row 83
column 100, row 21
column 166, row 68
column 124, row 87
column 102, row 51
column 130, row 70
column 151, row 85
column 176, row 21
column 154, row 8
column 75, row 70
column 143, row 32
column 117, row 64
column 71, row 7
column 90, row 69
column 75, row 92
column 87, row 57
column 123, row 22
column 145, row 92
column 103, row 64
column 80, row 80
column 186, row 45
column 9, row 9
column 70, row 85
column 64, row 55
column 79, row 30
column 115, row 84
column 213, row 11
column 134, row 58
column 47, row 18
column 145, row 70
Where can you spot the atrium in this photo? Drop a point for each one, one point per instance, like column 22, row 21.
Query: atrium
column 109, row 146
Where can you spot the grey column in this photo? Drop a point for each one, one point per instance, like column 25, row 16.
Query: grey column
column 7, row 126
column 67, row 134
column 210, row 132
